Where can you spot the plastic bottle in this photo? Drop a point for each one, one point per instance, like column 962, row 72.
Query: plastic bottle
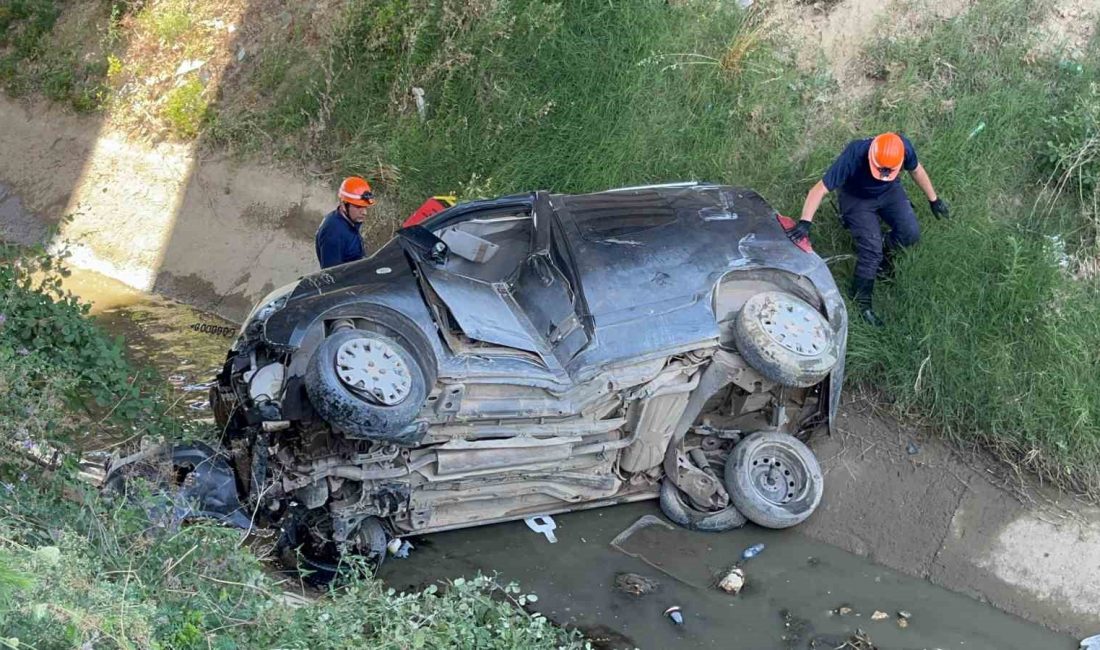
column 978, row 129
column 1069, row 65
column 752, row 551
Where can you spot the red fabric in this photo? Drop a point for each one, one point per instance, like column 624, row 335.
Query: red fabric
column 787, row 223
column 426, row 209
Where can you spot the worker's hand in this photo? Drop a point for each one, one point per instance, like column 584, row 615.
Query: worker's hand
column 800, row 231
column 939, row 208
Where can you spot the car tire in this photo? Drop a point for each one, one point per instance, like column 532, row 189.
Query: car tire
column 352, row 413
column 297, row 551
column 683, row 514
column 785, row 339
column 753, row 473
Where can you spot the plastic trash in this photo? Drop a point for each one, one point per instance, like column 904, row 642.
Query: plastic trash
column 976, row 130
column 676, row 614
column 733, row 582
column 543, row 524
column 752, row 551
column 399, row 548
column 1069, row 65
column 1091, row 643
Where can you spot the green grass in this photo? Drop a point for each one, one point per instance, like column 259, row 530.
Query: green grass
column 989, row 339
column 30, row 62
column 169, row 20
column 532, row 94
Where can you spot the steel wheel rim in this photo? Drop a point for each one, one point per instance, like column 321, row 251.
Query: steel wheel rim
column 795, row 326
column 373, row 369
column 777, row 475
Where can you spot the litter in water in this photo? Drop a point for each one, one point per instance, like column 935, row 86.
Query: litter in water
column 733, row 581
column 543, row 524
column 399, row 548
column 752, row 551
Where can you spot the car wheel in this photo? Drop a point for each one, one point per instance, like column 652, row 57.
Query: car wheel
column 365, row 384
column 676, row 508
column 774, row 479
column 305, row 545
column 785, row 339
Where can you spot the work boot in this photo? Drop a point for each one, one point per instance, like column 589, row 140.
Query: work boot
column 862, row 290
column 886, row 266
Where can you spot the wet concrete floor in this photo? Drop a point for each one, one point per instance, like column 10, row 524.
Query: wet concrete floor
column 792, row 592
column 793, row 588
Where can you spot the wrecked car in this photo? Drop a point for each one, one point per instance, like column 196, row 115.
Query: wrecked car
column 537, row 354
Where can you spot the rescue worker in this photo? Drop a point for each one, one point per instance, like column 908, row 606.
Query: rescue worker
column 865, row 176
column 338, row 240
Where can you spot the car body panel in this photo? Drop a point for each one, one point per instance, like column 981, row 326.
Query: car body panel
column 645, row 263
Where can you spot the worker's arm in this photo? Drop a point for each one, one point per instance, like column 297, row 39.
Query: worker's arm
column 935, row 203
column 923, row 182
column 813, row 200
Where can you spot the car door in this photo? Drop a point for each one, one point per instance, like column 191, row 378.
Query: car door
column 544, row 293
column 504, row 289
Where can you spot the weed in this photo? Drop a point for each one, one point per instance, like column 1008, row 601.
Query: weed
column 168, row 20
column 186, row 108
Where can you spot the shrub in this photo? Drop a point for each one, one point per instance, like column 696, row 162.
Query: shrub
column 185, row 109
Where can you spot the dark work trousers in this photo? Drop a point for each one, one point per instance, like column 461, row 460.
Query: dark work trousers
column 861, row 218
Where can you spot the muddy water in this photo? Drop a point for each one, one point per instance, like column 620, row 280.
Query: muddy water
column 185, row 346
column 793, row 588
column 792, row 592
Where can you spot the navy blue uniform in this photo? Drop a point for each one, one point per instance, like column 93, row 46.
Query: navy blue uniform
column 338, row 241
column 864, row 200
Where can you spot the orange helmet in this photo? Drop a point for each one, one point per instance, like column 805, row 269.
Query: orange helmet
column 886, row 156
column 356, row 191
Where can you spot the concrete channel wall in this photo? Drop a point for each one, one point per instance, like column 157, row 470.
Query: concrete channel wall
column 159, row 217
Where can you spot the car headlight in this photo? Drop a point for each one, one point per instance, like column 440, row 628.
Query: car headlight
column 270, row 304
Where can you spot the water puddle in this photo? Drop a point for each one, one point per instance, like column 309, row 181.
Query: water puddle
column 185, row 346
column 791, row 598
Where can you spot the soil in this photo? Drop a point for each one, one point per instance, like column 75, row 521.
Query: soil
column 836, row 32
column 1069, row 27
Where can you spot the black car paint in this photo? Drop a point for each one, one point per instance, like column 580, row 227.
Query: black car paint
column 644, row 264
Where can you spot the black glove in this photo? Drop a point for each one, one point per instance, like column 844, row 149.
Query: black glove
column 940, row 209
column 800, row 231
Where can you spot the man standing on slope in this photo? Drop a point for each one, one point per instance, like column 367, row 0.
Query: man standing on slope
column 338, row 240
column 866, row 175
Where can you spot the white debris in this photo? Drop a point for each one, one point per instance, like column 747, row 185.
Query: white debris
column 189, row 65
column 543, row 524
column 733, row 581
column 421, row 105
